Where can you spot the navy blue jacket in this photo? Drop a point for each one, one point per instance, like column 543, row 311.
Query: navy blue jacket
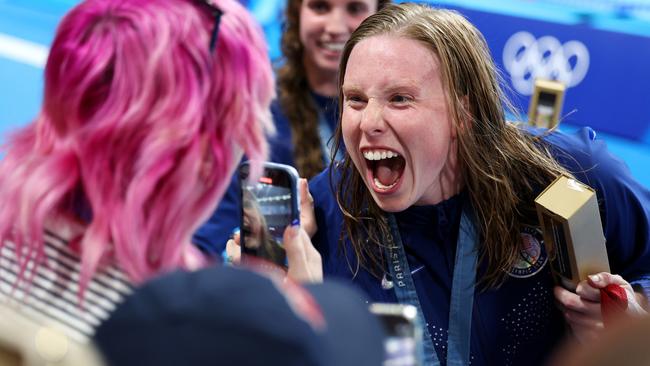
column 518, row 323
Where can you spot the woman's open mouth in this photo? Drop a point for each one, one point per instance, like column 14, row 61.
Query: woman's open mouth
column 386, row 167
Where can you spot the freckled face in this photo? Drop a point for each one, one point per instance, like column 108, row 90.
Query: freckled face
column 325, row 26
column 396, row 124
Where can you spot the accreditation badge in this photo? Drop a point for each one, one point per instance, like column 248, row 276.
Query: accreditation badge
column 532, row 254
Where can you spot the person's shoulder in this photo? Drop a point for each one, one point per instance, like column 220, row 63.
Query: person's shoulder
column 323, row 190
column 281, row 143
column 276, row 107
column 586, row 156
column 279, row 116
column 579, row 143
column 320, row 179
column 583, row 152
column 325, row 182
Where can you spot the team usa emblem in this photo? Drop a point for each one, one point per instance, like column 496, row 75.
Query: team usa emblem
column 532, row 254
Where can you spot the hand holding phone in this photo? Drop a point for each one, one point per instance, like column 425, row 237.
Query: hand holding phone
column 269, row 206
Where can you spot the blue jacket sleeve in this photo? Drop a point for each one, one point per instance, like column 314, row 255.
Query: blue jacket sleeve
column 212, row 236
column 624, row 202
column 328, row 219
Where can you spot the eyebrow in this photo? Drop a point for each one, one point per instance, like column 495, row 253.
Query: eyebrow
column 408, row 86
column 349, row 89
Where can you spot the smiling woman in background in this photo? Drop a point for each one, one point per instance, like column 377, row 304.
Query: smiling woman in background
column 306, row 112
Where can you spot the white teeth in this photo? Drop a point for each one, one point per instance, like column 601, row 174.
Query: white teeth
column 381, row 186
column 379, row 154
column 336, row 46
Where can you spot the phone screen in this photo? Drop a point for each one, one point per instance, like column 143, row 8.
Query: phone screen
column 402, row 342
column 269, row 205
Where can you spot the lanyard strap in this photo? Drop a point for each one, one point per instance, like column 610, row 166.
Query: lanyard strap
column 405, row 289
column 462, row 290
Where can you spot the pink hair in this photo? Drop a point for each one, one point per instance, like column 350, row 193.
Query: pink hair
column 141, row 123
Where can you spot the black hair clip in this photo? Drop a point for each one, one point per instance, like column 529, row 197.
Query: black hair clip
column 216, row 13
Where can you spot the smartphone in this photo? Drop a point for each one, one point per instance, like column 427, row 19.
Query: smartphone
column 403, row 342
column 269, row 204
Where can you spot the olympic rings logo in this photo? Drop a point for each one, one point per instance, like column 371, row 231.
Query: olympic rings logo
column 527, row 58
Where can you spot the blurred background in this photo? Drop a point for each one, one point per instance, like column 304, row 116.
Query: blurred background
column 600, row 49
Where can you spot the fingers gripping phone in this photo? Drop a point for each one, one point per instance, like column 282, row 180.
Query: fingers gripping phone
column 403, row 342
column 269, row 205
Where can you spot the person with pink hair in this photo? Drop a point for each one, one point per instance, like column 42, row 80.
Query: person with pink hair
column 148, row 106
